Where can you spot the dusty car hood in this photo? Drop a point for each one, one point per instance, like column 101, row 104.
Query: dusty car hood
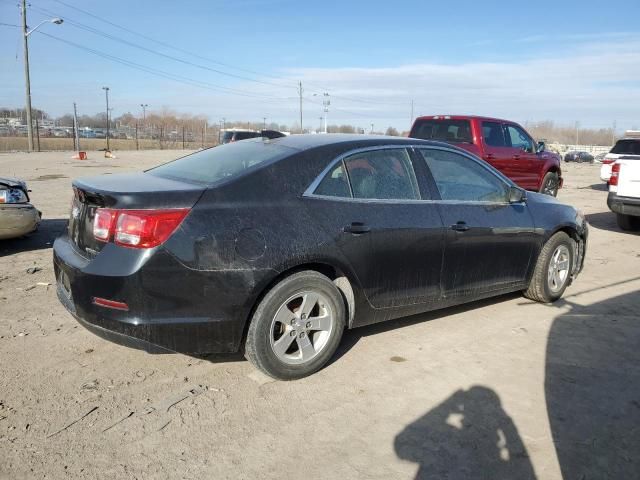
column 13, row 182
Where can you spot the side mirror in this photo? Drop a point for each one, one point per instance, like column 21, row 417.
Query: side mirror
column 517, row 195
column 541, row 147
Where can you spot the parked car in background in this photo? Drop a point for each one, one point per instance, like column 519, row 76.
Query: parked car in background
column 17, row 216
column 280, row 245
column 625, row 148
column 624, row 193
column 502, row 143
column 579, row 157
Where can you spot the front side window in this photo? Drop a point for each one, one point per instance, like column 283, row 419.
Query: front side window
column 377, row 174
column 461, row 179
column 519, row 139
column 493, row 134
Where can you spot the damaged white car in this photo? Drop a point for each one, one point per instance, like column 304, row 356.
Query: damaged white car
column 17, row 216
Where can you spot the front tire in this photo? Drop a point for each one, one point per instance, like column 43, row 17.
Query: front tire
column 553, row 269
column 550, row 184
column 297, row 326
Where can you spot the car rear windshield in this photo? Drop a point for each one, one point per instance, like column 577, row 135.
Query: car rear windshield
column 455, row 131
column 223, row 162
column 627, row 147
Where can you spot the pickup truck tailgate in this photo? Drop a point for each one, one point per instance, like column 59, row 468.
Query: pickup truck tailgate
column 629, row 178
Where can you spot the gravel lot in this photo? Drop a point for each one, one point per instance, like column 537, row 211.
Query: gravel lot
column 504, row 388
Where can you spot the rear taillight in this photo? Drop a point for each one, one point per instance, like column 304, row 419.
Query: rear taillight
column 607, row 161
column 103, row 224
column 615, row 174
column 136, row 228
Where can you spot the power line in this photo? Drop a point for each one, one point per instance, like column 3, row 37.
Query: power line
column 155, row 52
column 168, row 45
column 160, row 73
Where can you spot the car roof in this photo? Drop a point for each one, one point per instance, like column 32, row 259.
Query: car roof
column 463, row 117
column 308, row 141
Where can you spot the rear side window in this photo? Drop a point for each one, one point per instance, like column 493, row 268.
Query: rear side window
column 626, row 147
column 222, row 162
column 493, row 134
column 460, row 178
column 455, row 131
column 376, row 174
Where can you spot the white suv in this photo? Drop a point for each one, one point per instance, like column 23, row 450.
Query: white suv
column 624, row 193
column 625, row 148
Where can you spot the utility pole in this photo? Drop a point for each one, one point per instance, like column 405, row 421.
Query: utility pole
column 300, row 93
column 26, row 73
column 106, row 94
column 613, row 133
column 325, row 104
column 144, row 112
column 264, row 123
column 76, row 135
column 372, row 128
column 320, row 127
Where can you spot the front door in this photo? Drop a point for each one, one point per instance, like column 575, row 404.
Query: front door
column 489, row 241
column 525, row 159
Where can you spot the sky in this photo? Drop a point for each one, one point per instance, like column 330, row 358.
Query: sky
column 242, row 60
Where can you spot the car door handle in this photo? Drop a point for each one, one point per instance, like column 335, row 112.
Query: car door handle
column 516, row 157
column 357, row 228
column 460, row 227
column 489, row 156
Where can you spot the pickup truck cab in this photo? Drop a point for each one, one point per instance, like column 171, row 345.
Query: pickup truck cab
column 624, row 193
column 502, row 143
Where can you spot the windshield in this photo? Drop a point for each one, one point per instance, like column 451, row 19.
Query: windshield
column 223, row 162
column 455, row 131
column 626, row 147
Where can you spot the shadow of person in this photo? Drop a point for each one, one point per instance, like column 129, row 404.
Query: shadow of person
column 468, row 436
column 592, row 388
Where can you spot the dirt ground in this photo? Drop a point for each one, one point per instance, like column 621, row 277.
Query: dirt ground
column 504, row 388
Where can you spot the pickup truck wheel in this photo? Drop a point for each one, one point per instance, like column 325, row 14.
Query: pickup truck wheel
column 550, row 184
column 627, row 222
column 553, row 269
column 297, row 326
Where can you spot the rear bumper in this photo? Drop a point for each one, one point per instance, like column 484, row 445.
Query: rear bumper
column 624, row 205
column 190, row 323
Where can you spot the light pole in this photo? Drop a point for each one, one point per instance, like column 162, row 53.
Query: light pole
column 144, row 112
column 106, row 94
column 25, row 36
column 264, row 123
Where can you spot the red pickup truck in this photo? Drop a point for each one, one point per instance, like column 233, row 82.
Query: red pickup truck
column 502, row 143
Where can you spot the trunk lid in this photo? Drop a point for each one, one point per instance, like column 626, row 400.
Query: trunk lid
column 139, row 191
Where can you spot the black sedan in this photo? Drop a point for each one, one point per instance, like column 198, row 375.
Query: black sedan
column 579, row 157
column 277, row 246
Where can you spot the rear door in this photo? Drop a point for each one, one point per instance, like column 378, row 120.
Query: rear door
column 391, row 238
column 497, row 150
column 526, row 165
column 489, row 241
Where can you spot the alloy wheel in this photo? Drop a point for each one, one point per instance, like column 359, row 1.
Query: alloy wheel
column 301, row 327
column 558, row 271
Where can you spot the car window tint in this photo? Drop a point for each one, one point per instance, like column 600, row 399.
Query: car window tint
column 222, row 162
column 455, row 131
column 382, row 174
column 460, row 178
column 493, row 134
column 627, row 147
column 519, row 139
column 335, row 183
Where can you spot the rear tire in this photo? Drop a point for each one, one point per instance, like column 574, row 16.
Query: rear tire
column 296, row 327
column 550, row 184
column 553, row 269
column 627, row 222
